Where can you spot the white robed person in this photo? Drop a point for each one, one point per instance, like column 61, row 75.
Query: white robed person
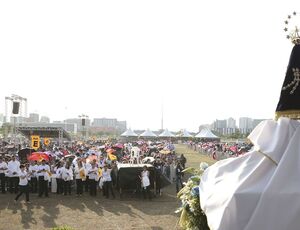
column 260, row 190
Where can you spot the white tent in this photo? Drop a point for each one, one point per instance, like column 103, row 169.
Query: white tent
column 206, row 133
column 184, row 133
column 148, row 133
column 129, row 133
column 166, row 133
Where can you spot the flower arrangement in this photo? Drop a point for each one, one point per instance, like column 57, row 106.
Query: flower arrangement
column 192, row 217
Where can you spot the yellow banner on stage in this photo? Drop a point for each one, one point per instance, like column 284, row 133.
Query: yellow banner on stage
column 46, row 141
column 35, row 142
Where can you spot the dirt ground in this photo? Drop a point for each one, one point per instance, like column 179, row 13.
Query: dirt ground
column 95, row 213
column 89, row 213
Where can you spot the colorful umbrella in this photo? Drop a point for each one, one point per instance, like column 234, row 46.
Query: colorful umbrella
column 38, row 156
column 119, row 146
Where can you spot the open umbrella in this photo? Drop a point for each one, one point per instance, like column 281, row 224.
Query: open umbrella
column 24, row 153
column 119, row 146
column 38, row 156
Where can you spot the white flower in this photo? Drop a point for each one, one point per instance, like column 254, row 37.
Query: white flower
column 203, row 166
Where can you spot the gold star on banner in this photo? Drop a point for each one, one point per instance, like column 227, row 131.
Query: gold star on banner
column 286, row 22
column 288, row 36
column 294, row 13
column 285, row 29
column 289, row 17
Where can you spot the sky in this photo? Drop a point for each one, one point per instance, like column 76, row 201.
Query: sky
column 201, row 60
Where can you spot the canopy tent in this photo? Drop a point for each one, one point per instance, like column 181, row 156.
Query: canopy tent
column 166, row 133
column 207, row 134
column 129, row 133
column 148, row 133
column 184, row 133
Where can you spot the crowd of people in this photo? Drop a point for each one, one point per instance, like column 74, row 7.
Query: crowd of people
column 87, row 167
column 220, row 150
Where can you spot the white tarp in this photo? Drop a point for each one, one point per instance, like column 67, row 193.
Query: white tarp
column 166, row 133
column 206, row 133
column 261, row 189
column 129, row 133
column 148, row 133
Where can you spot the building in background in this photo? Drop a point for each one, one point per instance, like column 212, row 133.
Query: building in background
column 81, row 126
column 219, row 126
column 245, row 125
column 230, row 126
column 105, row 122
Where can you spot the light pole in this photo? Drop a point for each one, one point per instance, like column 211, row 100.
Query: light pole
column 83, row 118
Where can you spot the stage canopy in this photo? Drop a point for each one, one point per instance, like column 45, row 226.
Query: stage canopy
column 44, row 132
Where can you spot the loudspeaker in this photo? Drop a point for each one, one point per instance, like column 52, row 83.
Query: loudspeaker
column 16, row 106
column 83, row 122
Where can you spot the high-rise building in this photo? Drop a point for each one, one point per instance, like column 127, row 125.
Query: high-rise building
column 231, row 126
column 245, row 125
column 105, row 122
column 220, row 126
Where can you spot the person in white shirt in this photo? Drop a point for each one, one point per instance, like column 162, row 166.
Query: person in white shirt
column 43, row 182
column 87, row 167
column 33, row 168
column 107, row 181
column 3, row 169
column 93, row 174
column 13, row 168
column 59, row 181
column 79, row 176
column 101, row 161
column 23, row 183
column 67, row 177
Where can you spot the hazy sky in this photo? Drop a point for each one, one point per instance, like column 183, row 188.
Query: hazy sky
column 203, row 59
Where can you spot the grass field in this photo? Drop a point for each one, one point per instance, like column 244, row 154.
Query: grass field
column 193, row 158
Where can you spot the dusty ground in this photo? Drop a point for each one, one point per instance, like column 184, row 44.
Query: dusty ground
column 95, row 213
column 89, row 213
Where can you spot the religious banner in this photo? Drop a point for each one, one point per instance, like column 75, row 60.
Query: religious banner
column 35, row 142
